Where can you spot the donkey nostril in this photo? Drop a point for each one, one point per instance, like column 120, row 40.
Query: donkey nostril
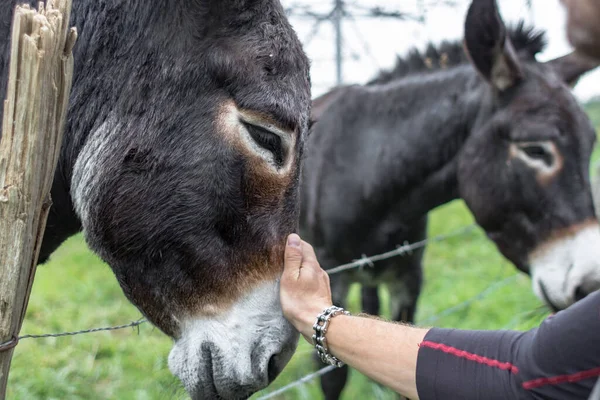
column 273, row 368
column 580, row 293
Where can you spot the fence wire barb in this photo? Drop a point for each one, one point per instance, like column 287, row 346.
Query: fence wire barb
column 110, row 328
column 299, row 382
column 400, row 251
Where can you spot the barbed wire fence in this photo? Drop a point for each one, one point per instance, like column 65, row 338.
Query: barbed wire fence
column 362, row 262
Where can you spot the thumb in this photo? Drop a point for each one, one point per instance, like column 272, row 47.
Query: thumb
column 293, row 255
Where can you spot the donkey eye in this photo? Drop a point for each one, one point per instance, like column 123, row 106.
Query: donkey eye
column 267, row 140
column 538, row 152
column 535, row 151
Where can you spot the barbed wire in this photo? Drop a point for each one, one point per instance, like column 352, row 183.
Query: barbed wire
column 75, row 333
column 15, row 340
column 299, row 382
column 400, row 251
column 369, row 261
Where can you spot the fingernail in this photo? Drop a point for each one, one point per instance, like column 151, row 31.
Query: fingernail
column 293, row 240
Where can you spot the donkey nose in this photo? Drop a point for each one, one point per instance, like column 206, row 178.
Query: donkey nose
column 275, row 366
column 580, row 293
column 586, row 288
column 238, row 352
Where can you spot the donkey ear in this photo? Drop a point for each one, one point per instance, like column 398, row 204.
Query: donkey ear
column 488, row 46
column 572, row 66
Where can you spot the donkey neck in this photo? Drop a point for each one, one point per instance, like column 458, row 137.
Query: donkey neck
column 420, row 124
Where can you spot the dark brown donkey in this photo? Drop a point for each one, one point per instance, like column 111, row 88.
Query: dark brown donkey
column 493, row 127
column 180, row 163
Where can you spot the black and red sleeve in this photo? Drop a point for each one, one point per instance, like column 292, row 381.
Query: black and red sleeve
column 558, row 360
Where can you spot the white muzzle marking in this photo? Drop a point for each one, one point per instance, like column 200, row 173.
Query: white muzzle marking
column 230, row 356
column 567, row 268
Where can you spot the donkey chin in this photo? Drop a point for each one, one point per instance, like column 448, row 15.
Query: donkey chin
column 237, row 353
column 566, row 269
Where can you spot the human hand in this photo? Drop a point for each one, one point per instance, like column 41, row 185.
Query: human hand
column 305, row 291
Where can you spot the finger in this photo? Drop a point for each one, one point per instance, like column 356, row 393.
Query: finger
column 293, row 255
column 309, row 258
column 326, row 278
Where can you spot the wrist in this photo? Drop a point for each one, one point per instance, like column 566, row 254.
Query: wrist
column 307, row 319
column 321, row 328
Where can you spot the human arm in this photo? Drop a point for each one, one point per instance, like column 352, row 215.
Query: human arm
column 383, row 351
column 559, row 360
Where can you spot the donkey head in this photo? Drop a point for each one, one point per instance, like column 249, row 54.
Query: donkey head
column 524, row 172
column 190, row 189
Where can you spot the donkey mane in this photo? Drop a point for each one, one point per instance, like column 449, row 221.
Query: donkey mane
column 527, row 41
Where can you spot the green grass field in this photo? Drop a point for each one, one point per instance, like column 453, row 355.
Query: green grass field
column 75, row 290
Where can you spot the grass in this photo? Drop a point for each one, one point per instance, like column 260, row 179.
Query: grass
column 75, row 290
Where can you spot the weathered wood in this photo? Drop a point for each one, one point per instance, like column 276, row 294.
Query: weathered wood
column 41, row 68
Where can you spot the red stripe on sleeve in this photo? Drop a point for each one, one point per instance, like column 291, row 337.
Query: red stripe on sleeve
column 555, row 380
column 506, row 366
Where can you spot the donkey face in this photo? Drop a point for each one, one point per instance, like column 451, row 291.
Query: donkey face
column 524, row 172
column 190, row 188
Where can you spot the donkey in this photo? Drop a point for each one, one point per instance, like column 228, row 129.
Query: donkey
column 493, row 127
column 181, row 163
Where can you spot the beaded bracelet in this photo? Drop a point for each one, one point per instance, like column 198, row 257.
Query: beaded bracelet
column 319, row 340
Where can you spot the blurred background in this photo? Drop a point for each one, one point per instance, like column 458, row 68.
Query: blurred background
column 373, row 32
column 467, row 283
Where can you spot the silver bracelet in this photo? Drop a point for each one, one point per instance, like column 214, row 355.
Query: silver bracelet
column 319, row 340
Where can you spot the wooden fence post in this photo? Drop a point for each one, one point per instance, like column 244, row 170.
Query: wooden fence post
column 39, row 83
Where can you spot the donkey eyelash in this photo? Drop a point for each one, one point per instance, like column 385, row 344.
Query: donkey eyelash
column 267, row 140
column 540, row 153
column 535, row 151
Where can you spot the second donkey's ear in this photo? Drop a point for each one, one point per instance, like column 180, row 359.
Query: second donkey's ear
column 572, row 66
column 488, row 45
